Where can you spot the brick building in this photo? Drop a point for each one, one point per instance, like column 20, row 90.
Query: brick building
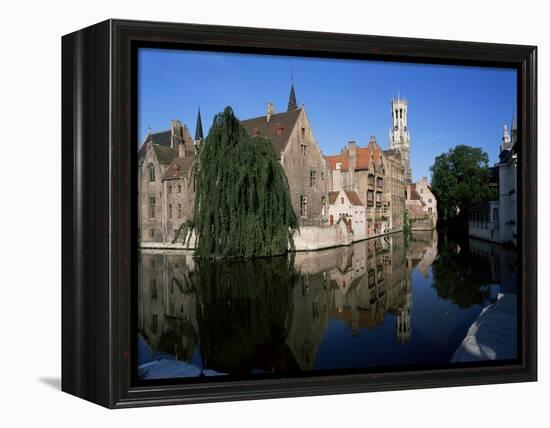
column 304, row 165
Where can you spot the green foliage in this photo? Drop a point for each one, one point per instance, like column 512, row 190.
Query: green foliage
column 242, row 203
column 460, row 180
column 459, row 276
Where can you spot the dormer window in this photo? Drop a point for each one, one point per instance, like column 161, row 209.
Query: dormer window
column 279, row 129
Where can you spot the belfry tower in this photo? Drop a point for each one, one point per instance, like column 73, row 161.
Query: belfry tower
column 400, row 138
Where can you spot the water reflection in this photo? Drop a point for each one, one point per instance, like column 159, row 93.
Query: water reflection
column 381, row 302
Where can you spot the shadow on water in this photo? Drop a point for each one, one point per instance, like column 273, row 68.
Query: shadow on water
column 378, row 302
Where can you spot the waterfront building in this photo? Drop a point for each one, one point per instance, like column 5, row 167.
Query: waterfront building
column 483, row 222
column 496, row 220
column 372, row 182
column 421, row 205
column 165, row 183
column 362, row 170
column 347, row 206
column 395, row 188
column 507, row 174
column 305, row 167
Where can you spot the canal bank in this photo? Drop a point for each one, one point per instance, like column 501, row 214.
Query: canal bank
column 307, row 238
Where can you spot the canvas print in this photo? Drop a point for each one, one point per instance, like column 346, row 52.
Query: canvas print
column 301, row 216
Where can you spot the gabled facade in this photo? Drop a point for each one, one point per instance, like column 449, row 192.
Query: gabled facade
column 363, row 170
column 165, row 185
column 346, row 205
column 421, row 205
column 305, row 167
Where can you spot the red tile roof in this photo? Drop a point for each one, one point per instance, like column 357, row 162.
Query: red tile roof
column 364, row 155
column 353, row 198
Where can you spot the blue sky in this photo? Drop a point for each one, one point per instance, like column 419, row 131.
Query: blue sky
column 344, row 99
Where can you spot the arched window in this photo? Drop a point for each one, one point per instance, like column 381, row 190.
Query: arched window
column 151, row 170
column 495, row 214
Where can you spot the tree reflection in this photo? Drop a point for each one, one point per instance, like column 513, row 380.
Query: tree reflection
column 244, row 310
column 458, row 276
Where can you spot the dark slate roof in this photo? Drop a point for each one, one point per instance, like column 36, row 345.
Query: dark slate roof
column 198, row 130
column 178, row 167
column 277, row 130
column 292, row 99
column 165, row 155
column 163, row 138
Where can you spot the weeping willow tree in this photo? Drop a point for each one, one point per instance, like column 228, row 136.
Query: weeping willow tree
column 242, row 201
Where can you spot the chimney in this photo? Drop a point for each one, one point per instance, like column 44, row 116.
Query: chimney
column 352, row 154
column 270, row 110
column 175, row 136
column 181, row 149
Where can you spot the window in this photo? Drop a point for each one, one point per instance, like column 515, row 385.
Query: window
column 342, row 201
column 180, row 213
column 380, row 182
column 170, row 211
column 421, row 190
column 303, row 205
column 429, row 200
column 371, row 180
column 303, row 132
column 152, row 233
column 495, row 214
column 179, row 188
column 152, row 206
column 303, row 149
column 151, row 170
column 370, row 198
column 430, row 209
column 153, row 289
column 323, row 205
column 378, row 199
column 312, row 178
column 169, row 189
column 322, row 178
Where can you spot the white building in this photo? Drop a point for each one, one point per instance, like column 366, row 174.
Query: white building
column 347, row 205
column 496, row 220
column 507, row 178
column 484, row 222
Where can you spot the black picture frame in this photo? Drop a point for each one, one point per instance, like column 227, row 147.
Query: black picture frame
column 99, row 221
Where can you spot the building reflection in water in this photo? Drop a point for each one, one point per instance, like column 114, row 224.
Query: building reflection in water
column 272, row 315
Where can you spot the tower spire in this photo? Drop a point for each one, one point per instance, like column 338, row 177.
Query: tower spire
column 198, row 130
column 292, row 99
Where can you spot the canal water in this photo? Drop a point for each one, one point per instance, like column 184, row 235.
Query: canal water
column 381, row 303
